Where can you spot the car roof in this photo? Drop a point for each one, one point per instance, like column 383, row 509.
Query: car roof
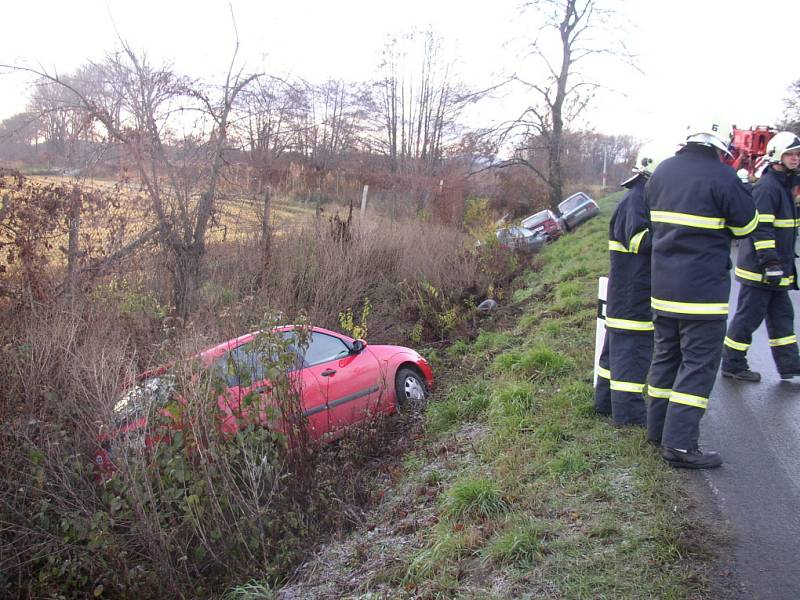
column 211, row 354
column 541, row 215
column 575, row 196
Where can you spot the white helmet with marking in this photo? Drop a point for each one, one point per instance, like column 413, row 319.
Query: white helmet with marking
column 714, row 133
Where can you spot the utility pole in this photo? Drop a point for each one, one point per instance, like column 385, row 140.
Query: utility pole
column 605, row 154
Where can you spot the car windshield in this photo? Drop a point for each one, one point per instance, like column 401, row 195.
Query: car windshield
column 153, row 392
column 573, row 202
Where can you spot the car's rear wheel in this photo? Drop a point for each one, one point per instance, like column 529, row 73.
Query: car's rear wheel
column 411, row 390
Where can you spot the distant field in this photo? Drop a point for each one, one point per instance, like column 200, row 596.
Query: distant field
column 236, row 217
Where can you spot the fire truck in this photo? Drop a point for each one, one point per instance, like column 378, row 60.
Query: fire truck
column 748, row 148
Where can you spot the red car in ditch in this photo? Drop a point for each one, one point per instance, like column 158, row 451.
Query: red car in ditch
column 546, row 223
column 340, row 382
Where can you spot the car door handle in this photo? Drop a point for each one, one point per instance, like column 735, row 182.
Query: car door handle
column 328, row 372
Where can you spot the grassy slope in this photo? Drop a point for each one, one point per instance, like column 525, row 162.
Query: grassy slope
column 518, row 489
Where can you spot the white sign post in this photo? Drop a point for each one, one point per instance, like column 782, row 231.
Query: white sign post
column 600, row 328
column 364, row 193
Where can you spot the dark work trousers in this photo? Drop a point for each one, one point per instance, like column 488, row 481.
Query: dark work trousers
column 602, row 389
column 754, row 305
column 624, row 362
column 686, row 357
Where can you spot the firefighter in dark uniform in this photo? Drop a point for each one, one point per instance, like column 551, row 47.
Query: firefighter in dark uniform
column 628, row 346
column 765, row 268
column 697, row 207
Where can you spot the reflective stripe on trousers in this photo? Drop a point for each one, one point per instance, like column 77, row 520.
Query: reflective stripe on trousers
column 754, row 305
column 622, row 372
column 686, row 357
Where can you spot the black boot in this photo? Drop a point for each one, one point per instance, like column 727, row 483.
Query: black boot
column 745, row 375
column 691, row 459
column 789, row 371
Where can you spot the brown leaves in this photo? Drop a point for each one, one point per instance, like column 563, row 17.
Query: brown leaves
column 35, row 221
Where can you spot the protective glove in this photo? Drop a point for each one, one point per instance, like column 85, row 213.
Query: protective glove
column 773, row 273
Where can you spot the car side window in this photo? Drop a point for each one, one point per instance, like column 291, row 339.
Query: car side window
column 241, row 366
column 323, row 347
column 245, row 364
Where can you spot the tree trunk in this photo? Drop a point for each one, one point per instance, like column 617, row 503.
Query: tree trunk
column 185, row 279
column 555, row 181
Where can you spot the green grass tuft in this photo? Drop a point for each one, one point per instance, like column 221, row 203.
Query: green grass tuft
column 568, row 463
column 490, row 341
column 459, row 348
column 444, row 550
column 252, row 590
column 577, row 396
column 516, row 398
column 519, row 545
column 463, row 403
column 474, row 498
column 537, row 362
column 551, row 432
column 544, row 362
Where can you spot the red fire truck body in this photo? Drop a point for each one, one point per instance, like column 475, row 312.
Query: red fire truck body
column 749, row 146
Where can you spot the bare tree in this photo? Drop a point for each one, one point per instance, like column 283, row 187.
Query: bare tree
column 567, row 38
column 791, row 116
column 333, row 120
column 19, row 137
column 267, row 113
column 129, row 101
column 416, row 108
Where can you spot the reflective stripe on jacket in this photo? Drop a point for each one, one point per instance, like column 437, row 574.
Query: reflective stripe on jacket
column 628, row 307
column 697, row 206
column 774, row 238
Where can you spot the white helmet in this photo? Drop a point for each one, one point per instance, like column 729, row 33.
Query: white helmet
column 780, row 144
column 649, row 157
column 716, row 134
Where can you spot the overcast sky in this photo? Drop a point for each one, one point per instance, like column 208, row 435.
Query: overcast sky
column 731, row 58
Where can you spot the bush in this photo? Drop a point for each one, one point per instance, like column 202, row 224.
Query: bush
column 189, row 513
column 199, row 510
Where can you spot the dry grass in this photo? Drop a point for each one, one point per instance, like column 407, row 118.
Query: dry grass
column 63, row 366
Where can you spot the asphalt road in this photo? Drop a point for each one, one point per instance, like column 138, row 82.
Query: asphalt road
column 756, row 428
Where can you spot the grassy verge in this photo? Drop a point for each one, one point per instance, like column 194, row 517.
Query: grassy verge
column 549, row 500
column 518, row 490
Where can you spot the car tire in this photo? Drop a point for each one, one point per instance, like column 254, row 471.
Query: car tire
column 410, row 390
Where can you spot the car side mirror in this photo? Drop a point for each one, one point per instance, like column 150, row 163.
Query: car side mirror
column 358, row 346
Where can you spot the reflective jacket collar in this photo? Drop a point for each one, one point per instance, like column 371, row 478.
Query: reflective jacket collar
column 785, row 178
